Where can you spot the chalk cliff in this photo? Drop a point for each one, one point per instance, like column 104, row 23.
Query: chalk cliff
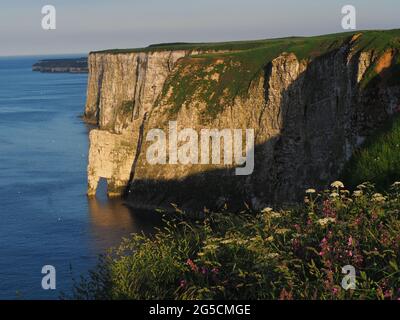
column 311, row 103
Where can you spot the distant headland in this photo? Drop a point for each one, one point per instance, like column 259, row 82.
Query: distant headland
column 77, row 65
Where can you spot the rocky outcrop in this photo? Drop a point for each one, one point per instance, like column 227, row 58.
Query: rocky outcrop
column 308, row 116
column 61, row 66
column 110, row 157
column 121, row 89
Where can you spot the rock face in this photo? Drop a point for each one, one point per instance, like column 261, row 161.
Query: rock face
column 308, row 115
column 122, row 88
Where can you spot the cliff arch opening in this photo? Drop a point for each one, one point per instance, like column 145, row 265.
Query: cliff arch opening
column 102, row 189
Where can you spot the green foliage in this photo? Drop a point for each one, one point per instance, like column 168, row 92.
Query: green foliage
column 378, row 160
column 239, row 63
column 286, row 254
column 378, row 42
column 236, row 69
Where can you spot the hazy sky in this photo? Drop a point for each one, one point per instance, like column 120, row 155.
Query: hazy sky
column 85, row 25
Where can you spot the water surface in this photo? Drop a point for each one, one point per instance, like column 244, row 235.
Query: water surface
column 45, row 217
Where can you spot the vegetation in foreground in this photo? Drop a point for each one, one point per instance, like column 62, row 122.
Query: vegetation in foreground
column 285, row 254
column 378, row 160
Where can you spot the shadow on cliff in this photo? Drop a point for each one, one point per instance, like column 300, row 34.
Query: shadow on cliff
column 322, row 113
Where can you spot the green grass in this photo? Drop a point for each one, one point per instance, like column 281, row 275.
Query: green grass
column 191, row 79
column 221, row 46
column 285, row 254
column 378, row 42
column 244, row 61
column 378, row 160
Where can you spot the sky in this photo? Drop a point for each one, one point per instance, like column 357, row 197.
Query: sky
column 87, row 25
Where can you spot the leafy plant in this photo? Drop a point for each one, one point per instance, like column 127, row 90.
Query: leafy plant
column 273, row 254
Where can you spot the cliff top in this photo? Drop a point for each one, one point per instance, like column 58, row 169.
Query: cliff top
column 230, row 67
column 376, row 37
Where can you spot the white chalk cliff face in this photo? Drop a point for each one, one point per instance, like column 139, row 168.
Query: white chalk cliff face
column 308, row 116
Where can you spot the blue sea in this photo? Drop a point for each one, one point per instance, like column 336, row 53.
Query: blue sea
column 45, row 216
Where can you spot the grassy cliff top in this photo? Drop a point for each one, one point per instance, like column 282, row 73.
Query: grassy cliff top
column 239, row 63
column 376, row 38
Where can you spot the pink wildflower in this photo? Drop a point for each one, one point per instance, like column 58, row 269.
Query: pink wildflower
column 350, row 242
column 350, row 253
column 215, row 270
column 192, row 265
column 388, row 294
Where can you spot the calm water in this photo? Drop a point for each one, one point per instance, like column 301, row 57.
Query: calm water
column 45, row 217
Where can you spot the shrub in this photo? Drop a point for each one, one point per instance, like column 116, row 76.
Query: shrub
column 273, row 254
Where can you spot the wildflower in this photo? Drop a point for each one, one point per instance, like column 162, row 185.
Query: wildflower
column 350, row 253
column 215, row 270
column 211, row 247
column 192, row 265
column 396, row 184
column 227, row 241
column 296, row 243
column 183, row 283
column 241, row 242
column 270, row 239
column 337, row 184
column 325, row 221
column 275, row 215
column 273, row 255
column 266, row 210
column 388, row 294
column 328, row 210
column 334, row 195
column 358, row 193
column 284, row 295
column 335, row 291
column 358, row 258
column 350, row 241
column 310, row 191
column 377, row 197
column 282, row 231
column 331, row 220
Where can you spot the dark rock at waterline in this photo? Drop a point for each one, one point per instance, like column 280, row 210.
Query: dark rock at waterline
column 79, row 65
